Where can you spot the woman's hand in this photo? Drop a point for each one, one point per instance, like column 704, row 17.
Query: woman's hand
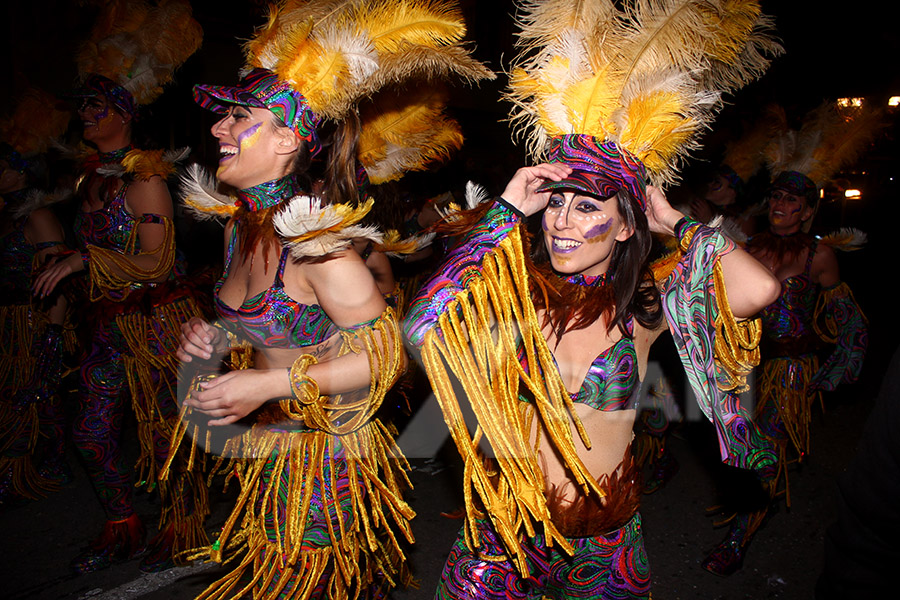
column 200, row 339
column 661, row 217
column 234, row 395
column 47, row 281
column 521, row 191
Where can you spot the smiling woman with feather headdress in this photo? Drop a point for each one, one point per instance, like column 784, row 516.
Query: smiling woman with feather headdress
column 320, row 510
column 550, row 348
column 127, row 260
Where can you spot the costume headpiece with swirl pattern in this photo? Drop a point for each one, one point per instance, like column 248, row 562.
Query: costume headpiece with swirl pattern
column 136, row 46
column 643, row 81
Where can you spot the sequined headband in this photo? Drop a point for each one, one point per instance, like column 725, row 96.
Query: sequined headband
column 98, row 85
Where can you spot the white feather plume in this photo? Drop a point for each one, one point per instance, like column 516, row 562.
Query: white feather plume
column 198, row 192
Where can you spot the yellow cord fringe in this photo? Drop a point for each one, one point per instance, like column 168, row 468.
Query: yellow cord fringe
column 363, row 552
column 477, row 338
column 105, row 264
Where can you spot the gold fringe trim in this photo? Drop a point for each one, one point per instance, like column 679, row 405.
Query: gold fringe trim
column 363, row 551
column 736, row 348
column 785, row 382
column 477, row 338
column 104, row 264
column 345, row 413
column 823, row 320
column 143, row 334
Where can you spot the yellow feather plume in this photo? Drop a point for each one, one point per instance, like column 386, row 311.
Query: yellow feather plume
column 139, row 45
column 337, row 52
column 406, row 131
column 647, row 78
column 827, row 141
column 38, row 119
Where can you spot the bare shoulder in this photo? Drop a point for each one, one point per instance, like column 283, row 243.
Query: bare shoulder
column 43, row 226
column 149, row 197
column 344, row 287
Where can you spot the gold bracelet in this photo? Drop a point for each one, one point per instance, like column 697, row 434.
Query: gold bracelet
column 305, row 389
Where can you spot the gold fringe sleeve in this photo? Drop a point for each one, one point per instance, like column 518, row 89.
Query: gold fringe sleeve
column 736, row 348
column 105, row 264
column 344, row 413
column 477, row 338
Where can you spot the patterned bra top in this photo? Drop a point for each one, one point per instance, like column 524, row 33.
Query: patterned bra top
column 112, row 226
column 612, row 381
column 791, row 315
column 272, row 319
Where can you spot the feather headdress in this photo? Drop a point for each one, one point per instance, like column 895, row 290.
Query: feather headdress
column 745, row 155
column 646, row 79
column 138, row 45
column 337, row 52
column 37, row 121
column 406, row 130
column 827, row 140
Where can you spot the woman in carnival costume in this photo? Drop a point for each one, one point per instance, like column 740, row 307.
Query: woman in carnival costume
column 814, row 307
column 33, row 334
column 551, row 348
column 320, row 506
column 126, row 242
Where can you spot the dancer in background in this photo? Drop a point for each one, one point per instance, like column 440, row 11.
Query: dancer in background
column 814, row 306
column 126, row 243
column 33, row 334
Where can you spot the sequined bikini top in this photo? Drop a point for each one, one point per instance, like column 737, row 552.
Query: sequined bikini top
column 791, row 315
column 612, row 381
column 272, row 319
column 112, row 226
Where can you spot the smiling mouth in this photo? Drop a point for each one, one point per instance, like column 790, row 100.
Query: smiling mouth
column 564, row 246
column 227, row 152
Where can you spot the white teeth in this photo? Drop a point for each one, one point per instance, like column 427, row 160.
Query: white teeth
column 565, row 244
column 228, row 150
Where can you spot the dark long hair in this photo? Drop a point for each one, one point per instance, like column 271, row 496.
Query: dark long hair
column 340, row 166
column 634, row 293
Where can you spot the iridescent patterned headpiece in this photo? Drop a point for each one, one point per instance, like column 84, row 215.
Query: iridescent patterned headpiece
column 600, row 168
column 98, row 85
column 797, row 184
column 262, row 89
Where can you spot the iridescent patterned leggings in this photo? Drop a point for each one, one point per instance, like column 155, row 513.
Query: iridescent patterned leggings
column 316, row 531
column 610, row 566
column 104, row 398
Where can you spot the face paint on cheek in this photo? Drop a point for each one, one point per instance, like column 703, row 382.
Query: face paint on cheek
column 104, row 117
column 544, row 221
column 248, row 138
column 598, row 233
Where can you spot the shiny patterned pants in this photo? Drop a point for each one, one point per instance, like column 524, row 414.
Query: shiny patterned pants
column 105, row 395
column 335, row 480
column 610, row 566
